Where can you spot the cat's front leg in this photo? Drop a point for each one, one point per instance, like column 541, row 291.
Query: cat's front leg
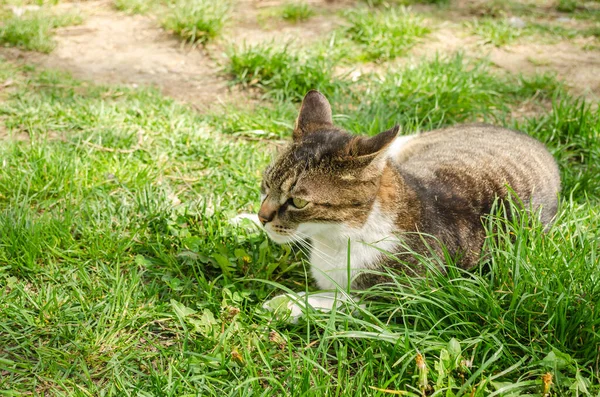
column 294, row 306
column 239, row 219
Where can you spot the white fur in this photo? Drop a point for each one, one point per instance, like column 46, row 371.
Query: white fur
column 330, row 242
column 295, row 304
column 278, row 237
column 329, row 253
column 393, row 151
column 237, row 220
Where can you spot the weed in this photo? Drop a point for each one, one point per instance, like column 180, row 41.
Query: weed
column 440, row 92
column 502, row 32
column 33, row 30
column 134, row 6
column 384, row 34
column 491, row 9
column 556, row 31
column 196, row 21
column 496, row 32
column 566, row 5
column 296, row 12
column 387, row 3
column 283, row 73
column 593, row 31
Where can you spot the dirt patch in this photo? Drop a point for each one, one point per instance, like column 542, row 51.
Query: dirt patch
column 251, row 23
column 112, row 47
column 445, row 39
column 6, row 135
column 578, row 68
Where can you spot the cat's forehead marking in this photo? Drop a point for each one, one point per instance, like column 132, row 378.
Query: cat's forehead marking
column 286, row 187
column 282, row 176
column 287, row 184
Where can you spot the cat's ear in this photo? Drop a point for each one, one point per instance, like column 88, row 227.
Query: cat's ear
column 315, row 113
column 370, row 148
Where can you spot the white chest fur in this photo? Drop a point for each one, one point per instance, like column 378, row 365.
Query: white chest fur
column 330, row 264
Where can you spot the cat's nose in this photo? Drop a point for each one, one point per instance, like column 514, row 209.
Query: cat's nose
column 267, row 211
column 265, row 217
column 263, row 220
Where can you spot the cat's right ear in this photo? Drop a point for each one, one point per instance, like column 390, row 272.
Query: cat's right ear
column 315, row 113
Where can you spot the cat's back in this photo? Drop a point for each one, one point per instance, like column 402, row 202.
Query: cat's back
column 474, row 163
column 471, row 144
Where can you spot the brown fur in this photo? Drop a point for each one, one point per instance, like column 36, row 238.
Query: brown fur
column 441, row 184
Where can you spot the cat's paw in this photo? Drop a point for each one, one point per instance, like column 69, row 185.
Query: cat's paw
column 293, row 306
column 245, row 218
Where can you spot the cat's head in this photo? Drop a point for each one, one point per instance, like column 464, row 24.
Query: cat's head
column 324, row 177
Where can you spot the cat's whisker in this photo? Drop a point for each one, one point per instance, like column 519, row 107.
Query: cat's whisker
column 306, row 236
column 316, row 250
column 329, row 260
column 302, row 249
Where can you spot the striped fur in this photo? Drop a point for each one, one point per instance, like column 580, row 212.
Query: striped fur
column 386, row 192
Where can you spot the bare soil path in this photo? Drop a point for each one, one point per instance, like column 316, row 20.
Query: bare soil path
column 112, row 47
column 577, row 67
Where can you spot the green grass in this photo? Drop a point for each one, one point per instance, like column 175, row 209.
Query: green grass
column 33, row 30
column 282, row 72
column 95, row 215
column 384, row 34
column 120, row 273
column 196, row 21
column 266, row 121
column 436, row 93
column 441, row 92
column 135, row 6
column 573, row 130
column 500, row 32
column 501, row 311
column 589, row 10
column 496, row 32
column 566, row 5
column 386, row 3
column 296, row 12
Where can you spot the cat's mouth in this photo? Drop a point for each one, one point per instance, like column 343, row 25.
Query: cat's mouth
column 281, row 234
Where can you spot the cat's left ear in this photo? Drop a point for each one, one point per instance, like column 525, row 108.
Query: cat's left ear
column 361, row 147
column 315, row 113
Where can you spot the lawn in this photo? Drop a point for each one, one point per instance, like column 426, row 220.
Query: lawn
column 121, row 272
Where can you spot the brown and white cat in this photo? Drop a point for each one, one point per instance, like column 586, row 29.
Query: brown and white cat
column 360, row 196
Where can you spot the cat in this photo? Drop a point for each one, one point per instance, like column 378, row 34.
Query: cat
column 365, row 196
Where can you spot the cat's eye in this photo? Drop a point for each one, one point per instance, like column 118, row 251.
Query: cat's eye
column 299, row 203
